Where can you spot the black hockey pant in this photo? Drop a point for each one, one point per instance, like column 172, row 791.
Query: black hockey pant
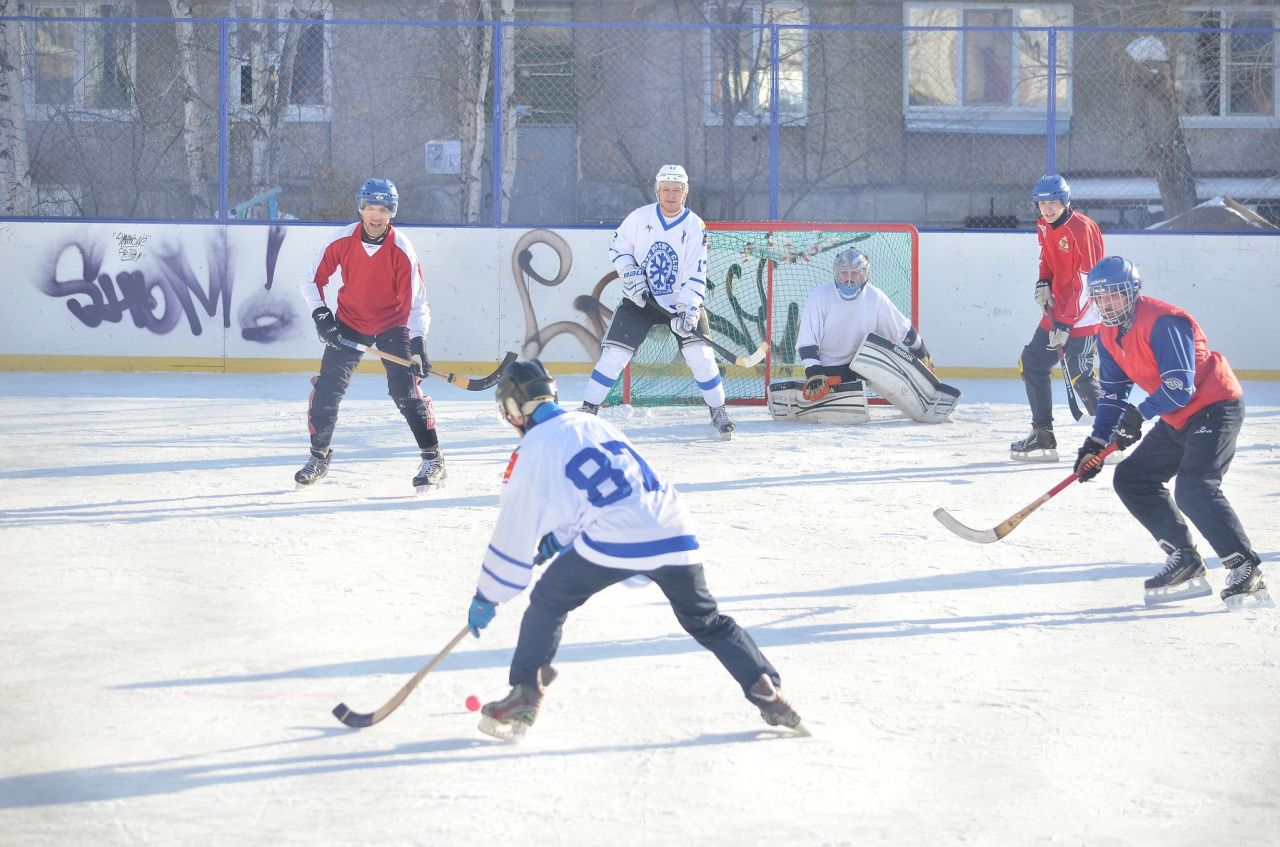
column 1080, row 357
column 571, row 580
column 336, row 367
column 1197, row 456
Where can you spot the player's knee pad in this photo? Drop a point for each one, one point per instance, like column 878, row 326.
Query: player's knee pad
column 701, row 360
column 613, row 359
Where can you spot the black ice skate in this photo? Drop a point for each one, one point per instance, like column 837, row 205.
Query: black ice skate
column 1039, row 446
column 431, row 474
column 510, row 718
column 774, row 708
column 589, row 408
column 722, row 423
column 1244, row 583
column 1182, row 577
column 316, row 468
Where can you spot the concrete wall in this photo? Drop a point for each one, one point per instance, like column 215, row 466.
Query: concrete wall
column 206, row 297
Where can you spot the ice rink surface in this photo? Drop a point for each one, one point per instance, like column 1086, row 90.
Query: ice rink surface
column 177, row 622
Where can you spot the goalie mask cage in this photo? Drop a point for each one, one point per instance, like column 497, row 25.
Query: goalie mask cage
column 758, row 278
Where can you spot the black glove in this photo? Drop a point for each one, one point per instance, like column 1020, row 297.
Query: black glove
column 418, row 355
column 1089, row 450
column 1129, row 430
column 327, row 327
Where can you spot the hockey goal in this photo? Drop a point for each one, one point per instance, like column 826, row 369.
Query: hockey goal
column 758, row 277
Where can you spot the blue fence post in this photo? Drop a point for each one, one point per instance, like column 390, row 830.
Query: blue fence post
column 1051, row 118
column 498, row 95
column 774, row 132
column 224, row 118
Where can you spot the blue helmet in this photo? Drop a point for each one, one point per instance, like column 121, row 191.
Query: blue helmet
column 1114, row 275
column 1052, row 187
column 852, row 270
column 378, row 192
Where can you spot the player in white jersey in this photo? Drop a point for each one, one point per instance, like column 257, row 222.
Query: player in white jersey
column 578, row 495
column 837, row 318
column 660, row 253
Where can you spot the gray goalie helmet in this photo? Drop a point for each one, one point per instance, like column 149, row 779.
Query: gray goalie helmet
column 523, row 387
column 852, row 270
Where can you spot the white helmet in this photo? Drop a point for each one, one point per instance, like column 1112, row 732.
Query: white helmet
column 671, row 173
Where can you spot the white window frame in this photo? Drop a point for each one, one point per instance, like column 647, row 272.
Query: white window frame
column 76, row 109
column 987, row 118
column 295, row 113
column 759, row 114
column 1225, row 120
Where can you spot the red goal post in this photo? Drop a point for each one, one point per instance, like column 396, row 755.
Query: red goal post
column 758, row 278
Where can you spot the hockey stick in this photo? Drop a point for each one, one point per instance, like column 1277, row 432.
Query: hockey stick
column 357, row 720
column 468, row 382
column 742, row 361
column 987, row 536
column 1071, row 389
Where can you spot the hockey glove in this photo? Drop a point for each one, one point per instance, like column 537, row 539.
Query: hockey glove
column 817, row 387
column 418, row 355
column 327, row 327
column 481, row 613
column 1129, row 430
column 685, row 321
column 635, row 286
column 1058, row 336
column 1044, row 295
column 548, row 547
column 1088, row 453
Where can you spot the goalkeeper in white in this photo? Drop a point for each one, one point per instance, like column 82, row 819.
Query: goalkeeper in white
column 660, row 253
column 838, row 317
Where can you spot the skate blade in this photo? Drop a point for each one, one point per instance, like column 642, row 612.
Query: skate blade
column 1192, row 588
column 427, row 487
column 302, row 486
column 801, row 730
column 1260, row 599
column 1041, row 456
column 511, row 732
column 723, row 436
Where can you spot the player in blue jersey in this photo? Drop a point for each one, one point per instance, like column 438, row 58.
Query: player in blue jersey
column 660, row 253
column 578, row 497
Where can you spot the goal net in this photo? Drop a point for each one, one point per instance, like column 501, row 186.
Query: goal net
column 758, row 278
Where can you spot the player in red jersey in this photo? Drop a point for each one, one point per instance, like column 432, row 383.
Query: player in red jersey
column 382, row 303
column 1200, row 403
column 1070, row 245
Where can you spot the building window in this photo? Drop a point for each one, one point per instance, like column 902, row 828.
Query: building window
column 740, row 63
column 983, row 67
column 311, row 83
column 1226, row 74
column 545, row 90
column 79, row 69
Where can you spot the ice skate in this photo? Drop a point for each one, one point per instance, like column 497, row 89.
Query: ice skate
column 431, row 474
column 589, row 408
column 1183, row 577
column 1245, row 588
column 509, row 719
column 316, row 469
column 722, row 423
column 774, row 708
column 1039, row 446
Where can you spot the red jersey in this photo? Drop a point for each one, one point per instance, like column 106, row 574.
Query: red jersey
column 1069, row 248
column 382, row 284
column 1214, row 380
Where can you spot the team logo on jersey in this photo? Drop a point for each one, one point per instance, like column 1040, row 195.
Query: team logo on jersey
column 1064, row 243
column 1173, row 384
column 511, row 466
column 1203, row 430
column 662, row 265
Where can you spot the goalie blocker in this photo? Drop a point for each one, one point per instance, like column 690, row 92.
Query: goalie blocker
column 903, row 380
column 846, row 403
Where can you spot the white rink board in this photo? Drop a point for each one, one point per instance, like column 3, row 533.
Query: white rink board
column 168, row 291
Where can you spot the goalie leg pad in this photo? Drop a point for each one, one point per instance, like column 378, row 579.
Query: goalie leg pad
column 904, row 381
column 845, row 404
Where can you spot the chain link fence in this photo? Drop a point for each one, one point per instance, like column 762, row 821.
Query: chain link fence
column 941, row 118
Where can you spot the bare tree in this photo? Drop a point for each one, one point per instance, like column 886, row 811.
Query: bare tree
column 197, row 124
column 15, row 165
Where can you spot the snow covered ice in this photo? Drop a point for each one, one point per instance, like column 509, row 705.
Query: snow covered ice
column 177, row 622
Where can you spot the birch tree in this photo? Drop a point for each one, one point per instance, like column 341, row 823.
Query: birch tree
column 197, row 126
column 15, row 165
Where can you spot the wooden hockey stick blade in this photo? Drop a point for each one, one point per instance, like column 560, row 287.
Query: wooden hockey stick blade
column 358, row 720
column 1000, row 530
column 741, row 361
column 460, row 380
column 1071, row 389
